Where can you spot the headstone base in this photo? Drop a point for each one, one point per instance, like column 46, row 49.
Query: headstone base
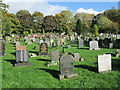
column 22, row 64
column 71, row 76
column 102, row 72
column 94, row 48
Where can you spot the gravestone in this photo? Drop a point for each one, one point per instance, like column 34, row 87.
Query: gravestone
column 76, row 57
column 110, row 45
column 41, row 41
column 17, row 44
column 54, row 45
column 47, row 42
column 94, row 45
column 66, row 67
column 81, row 43
column 51, row 41
column 22, row 58
column 118, row 36
column 62, row 41
column 36, row 47
column 55, row 55
column 37, row 40
column 104, row 63
column 118, row 53
column 43, row 49
column 2, row 47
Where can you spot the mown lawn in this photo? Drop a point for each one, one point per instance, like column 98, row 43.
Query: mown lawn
column 40, row 76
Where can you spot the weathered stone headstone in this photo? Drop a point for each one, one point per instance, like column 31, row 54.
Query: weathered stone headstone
column 76, row 57
column 94, row 45
column 54, row 45
column 18, row 44
column 22, row 58
column 81, row 43
column 110, row 45
column 66, row 67
column 118, row 36
column 118, row 53
column 55, row 55
column 2, row 47
column 62, row 41
column 104, row 63
column 29, row 42
column 47, row 42
column 37, row 40
column 43, row 49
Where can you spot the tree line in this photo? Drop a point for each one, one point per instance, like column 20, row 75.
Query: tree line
column 23, row 22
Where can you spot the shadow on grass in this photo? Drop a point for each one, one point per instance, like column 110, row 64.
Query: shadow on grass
column 34, row 52
column 116, row 64
column 83, row 48
column 44, row 60
column 13, row 54
column 112, row 54
column 54, row 73
column 90, row 68
column 11, row 61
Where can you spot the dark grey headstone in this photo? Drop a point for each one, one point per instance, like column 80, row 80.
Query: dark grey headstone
column 55, row 55
column 66, row 65
column 2, row 47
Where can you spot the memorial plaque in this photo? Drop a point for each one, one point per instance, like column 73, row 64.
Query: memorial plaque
column 55, row 55
column 43, row 49
column 94, row 45
column 66, row 67
column 81, row 43
column 104, row 63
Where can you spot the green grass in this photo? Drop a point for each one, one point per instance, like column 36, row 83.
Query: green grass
column 40, row 76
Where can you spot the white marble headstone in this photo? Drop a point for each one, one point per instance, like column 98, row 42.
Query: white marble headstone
column 104, row 63
column 94, row 45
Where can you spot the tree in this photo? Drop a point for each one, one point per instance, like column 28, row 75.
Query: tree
column 96, row 30
column 49, row 23
column 104, row 24
column 37, row 19
column 79, row 27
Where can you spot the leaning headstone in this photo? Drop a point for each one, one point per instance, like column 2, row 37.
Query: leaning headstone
column 104, row 63
column 81, row 43
column 43, row 49
column 118, row 53
column 66, row 67
column 22, row 58
column 55, row 55
column 94, row 45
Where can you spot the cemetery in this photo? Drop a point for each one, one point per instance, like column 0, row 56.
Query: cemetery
column 46, row 56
